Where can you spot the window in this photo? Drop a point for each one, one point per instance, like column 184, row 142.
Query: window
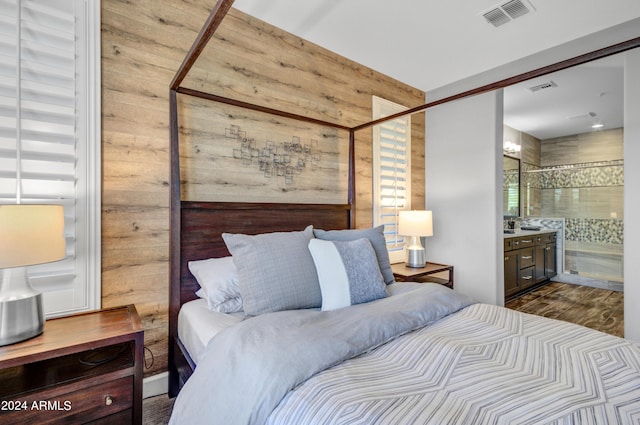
column 50, row 135
column 391, row 172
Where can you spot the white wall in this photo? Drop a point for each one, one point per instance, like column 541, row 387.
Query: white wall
column 631, row 198
column 463, row 174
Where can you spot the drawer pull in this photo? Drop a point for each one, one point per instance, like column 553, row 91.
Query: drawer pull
column 527, row 277
column 506, row 258
column 526, row 257
column 527, row 241
column 108, row 400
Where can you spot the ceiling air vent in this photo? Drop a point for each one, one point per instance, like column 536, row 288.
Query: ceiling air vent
column 496, row 17
column 515, row 8
column 543, row 86
column 508, row 11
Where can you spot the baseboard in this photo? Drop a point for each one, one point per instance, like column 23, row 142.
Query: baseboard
column 155, row 385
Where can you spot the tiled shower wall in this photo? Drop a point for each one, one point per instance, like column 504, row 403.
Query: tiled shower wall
column 581, row 178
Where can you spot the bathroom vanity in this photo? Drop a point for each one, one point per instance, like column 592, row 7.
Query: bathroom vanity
column 529, row 260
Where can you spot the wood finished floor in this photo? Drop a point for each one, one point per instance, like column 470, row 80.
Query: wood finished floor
column 594, row 308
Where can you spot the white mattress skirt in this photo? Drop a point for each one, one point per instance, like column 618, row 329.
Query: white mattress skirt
column 197, row 325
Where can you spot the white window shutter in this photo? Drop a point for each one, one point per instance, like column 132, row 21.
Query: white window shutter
column 391, row 173
column 45, row 136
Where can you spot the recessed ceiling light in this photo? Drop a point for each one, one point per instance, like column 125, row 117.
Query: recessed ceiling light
column 597, row 126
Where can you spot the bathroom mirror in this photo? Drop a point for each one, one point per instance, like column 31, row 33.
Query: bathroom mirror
column 511, row 186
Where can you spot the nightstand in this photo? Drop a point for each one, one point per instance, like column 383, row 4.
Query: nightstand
column 402, row 273
column 82, row 368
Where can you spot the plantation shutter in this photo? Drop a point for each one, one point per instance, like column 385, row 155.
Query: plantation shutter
column 44, row 136
column 391, row 173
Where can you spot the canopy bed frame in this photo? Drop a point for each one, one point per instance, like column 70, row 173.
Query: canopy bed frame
column 196, row 227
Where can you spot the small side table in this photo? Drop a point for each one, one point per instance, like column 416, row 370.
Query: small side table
column 402, row 273
column 85, row 367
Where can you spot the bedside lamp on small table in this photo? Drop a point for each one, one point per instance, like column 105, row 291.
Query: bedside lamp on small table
column 29, row 234
column 415, row 224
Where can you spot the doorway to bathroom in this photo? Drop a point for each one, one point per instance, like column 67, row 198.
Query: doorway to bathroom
column 569, row 129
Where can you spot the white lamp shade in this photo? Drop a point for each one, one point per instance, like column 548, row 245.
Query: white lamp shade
column 415, row 223
column 31, row 234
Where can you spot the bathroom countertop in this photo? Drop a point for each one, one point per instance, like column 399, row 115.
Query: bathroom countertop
column 529, row 233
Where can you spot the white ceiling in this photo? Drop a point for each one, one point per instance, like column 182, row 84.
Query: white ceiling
column 595, row 88
column 430, row 45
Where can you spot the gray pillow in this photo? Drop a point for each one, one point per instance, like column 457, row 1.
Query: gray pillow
column 348, row 272
column 375, row 236
column 275, row 271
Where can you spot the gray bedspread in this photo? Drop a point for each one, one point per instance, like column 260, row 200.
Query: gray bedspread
column 250, row 367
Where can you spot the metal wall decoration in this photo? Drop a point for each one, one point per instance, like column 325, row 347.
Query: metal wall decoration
column 285, row 159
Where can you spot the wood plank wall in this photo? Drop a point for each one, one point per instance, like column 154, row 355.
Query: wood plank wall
column 143, row 43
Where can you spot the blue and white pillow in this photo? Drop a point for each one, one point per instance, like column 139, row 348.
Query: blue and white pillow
column 348, row 272
column 375, row 236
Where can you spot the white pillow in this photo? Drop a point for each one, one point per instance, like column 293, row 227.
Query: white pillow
column 348, row 272
column 218, row 280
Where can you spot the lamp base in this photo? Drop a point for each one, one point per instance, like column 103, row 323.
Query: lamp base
column 415, row 253
column 21, row 319
column 21, row 312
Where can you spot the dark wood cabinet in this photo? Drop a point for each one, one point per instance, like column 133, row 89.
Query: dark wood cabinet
column 85, row 368
column 511, row 273
column 550, row 269
column 541, row 273
column 529, row 261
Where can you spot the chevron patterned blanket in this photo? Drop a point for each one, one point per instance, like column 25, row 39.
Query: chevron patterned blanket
column 424, row 356
column 482, row 365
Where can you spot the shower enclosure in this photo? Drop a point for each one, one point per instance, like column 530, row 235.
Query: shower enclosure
column 581, row 179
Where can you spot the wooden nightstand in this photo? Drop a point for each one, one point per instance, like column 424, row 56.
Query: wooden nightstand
column 402, row 273
column 85, row 367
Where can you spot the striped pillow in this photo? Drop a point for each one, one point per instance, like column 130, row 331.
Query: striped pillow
column 348, row 272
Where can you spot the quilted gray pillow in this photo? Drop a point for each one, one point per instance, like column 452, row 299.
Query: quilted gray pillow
column 275, row 271
column 375, row 236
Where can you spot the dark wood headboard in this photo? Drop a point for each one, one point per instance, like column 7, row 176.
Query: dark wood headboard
column 199, row 236
column 202, row 225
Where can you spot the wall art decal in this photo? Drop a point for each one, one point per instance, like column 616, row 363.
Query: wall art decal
column 275, row 159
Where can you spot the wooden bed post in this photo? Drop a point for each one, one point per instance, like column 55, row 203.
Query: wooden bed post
column 216, row 16
column 351, row 194
column 174, row 239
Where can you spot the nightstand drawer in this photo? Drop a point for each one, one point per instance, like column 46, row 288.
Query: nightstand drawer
column 79, row 406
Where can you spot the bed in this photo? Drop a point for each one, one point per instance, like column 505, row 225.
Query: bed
column 394, row 353
column 420, row 354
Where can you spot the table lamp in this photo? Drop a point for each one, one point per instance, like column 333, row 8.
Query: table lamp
column 415, row 224
column 29, row 234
